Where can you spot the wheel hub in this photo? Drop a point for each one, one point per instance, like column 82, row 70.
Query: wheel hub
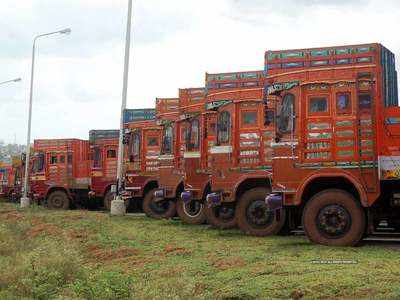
column 334, row 220
column 258, row 214
column 193, row 208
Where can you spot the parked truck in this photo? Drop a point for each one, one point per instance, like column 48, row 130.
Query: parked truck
column 103, row 148
column 11, row 178
column 60, row 173
column 169, row 177
column 142, row 143
column 337, row 144
column 241, row 158
column 198, row 126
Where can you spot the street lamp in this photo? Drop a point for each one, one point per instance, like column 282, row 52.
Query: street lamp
column 13, row 80
column 25, row 199
column 118, row 205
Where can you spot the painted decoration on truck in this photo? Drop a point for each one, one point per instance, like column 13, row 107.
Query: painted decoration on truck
column 281, row 86
column 389, row 167
column 135, row 115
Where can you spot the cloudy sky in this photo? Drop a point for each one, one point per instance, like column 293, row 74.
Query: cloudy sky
column 79, row 77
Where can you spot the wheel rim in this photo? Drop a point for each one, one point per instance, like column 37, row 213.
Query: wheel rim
column 225, row 213
column 333, row 221
column 258, row 215
column 57, row 202
column 193, row 208
column 159, row 207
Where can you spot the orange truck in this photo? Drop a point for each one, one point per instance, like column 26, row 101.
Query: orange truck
column 169, row 177
column 103, row 151
column 198, row 126
column 60, row 173
column 241, row 157
column 336, row 149
column 142, row 144
column 11, row 179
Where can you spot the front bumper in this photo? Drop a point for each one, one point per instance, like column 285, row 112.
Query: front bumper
column 187, row 196
column 159, row 195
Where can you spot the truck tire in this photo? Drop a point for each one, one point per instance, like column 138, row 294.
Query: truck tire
column 58, row 200
column 191, row 213
column 254, row 217
column 158, row 210
column 334, row 218
column 108, row 197
column 222, row 216
column 11, row 198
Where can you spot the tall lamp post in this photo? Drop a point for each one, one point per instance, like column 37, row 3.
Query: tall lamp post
column 25, row 199
column 118, row 205
column 9, row 81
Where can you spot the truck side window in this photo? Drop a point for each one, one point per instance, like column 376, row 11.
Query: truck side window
column 152, row 141
column 249, row 118
column 285, row 119
column 343, row 103
column 111, row 153
column 168, row 139
column 318, row 105
column 364, row 101
column 53, row 159
column 223, row 127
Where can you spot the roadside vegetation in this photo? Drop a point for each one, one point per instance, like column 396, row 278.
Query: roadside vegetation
column 47, row 254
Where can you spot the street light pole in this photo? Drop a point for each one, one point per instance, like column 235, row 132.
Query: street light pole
column 118, row 205
column 25, row 199
column 12, row 80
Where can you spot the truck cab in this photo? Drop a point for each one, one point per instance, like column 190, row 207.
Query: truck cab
column 199, row 133
column 104, row 155
column 142, row 144
column 336, row 145
column 60, row 176
column 241, row 157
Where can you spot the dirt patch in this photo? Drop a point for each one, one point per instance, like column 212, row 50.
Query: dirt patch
column 229, row 263
column 297, row 295
column 100, row 254
column 13, row 216
column 79, row 235
column 176, row 250
column 47, row 229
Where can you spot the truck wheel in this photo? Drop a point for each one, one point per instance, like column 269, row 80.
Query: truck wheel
column 58, row 200
column 254, row 217
column 222, row 216
column 108, row 197
column 11, row 197
column 192, row 212
column 158, row 210
column 334, row 218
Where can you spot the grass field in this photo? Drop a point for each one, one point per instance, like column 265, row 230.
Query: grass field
column 89, row 255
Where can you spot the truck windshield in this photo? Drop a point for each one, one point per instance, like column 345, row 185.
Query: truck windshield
column 285, row 117
column 192, row 137
column 135, row 146
column 167, row 140
column 223, row 127
column 38, row 163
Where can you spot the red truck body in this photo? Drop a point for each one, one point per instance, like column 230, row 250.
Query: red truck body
column 170, row 179
column 142, row 143
column 337, row 143
column 60, row 173
column 5, row 180
column 199, row 127
column 241, row 157
column 104, row 153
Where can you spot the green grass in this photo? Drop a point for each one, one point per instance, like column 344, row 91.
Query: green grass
column 89, row 255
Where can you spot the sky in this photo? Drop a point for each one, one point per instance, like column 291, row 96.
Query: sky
column 78, row 77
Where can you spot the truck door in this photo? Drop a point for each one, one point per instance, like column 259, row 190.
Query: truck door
column 151, row 150
column 110, row 162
